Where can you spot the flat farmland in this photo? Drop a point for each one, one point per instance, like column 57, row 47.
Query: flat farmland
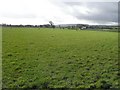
column 59, row 58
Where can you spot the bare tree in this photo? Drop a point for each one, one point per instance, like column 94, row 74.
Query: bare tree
column 52, row 24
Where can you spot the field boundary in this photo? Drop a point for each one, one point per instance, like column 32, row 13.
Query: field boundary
column 0, row 57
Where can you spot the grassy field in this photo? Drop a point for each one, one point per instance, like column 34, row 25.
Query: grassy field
column 56, row 58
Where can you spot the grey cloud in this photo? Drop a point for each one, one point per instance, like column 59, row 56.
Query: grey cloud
column 108, row 11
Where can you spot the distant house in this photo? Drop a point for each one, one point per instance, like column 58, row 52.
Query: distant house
column 82, row 26
column 74, row 26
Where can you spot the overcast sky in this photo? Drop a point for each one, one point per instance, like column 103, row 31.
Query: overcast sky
column 38, row 12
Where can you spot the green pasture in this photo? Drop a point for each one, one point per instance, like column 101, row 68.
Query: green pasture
column 59, row 58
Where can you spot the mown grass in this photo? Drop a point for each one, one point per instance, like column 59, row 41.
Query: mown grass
column 56, row 58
